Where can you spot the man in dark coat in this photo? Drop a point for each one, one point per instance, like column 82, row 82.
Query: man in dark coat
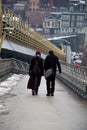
column 51, row 61
column 35, row 72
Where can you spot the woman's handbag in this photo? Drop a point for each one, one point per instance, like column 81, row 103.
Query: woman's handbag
column 48, row 73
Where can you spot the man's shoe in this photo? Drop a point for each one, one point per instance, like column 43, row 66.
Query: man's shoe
column 47, row 94
column 36, row 93
column 52, row 94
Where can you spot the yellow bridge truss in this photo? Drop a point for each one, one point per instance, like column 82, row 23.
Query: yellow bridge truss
column 23, row 34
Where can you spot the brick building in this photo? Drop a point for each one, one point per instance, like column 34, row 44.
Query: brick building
column 33, row 5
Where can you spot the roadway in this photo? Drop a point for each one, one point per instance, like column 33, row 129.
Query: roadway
column 64, row 111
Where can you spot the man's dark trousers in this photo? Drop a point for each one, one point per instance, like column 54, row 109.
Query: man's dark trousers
column 50, row 82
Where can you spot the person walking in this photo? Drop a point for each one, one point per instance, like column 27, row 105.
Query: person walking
column 51, row 61
column 35, row 73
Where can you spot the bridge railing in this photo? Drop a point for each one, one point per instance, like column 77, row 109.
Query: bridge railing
column 8, row 66
column 75, row 77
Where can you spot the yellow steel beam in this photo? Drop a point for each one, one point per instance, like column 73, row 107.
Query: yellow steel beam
column 24, row 35
column 0, row 18
column 2, row 36
column 1, row 40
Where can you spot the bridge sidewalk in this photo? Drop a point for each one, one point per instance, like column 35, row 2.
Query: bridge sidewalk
column 64, row 111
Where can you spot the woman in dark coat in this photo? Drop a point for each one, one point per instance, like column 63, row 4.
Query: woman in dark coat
column 35, row 73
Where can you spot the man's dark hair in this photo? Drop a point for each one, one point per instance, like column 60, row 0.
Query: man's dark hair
column 50, row 52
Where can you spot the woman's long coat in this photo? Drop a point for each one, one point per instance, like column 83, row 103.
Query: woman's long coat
column 35, row 80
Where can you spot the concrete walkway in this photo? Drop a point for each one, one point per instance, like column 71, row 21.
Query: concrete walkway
column 64, row 111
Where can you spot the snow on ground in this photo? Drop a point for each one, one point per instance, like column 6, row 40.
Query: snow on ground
column 7, row 85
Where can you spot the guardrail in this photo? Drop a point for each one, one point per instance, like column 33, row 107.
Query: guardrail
column 74, row 77
column 8, row 66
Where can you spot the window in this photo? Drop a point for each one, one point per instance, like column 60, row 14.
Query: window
column 34, row 3
column 86, row 16
column 70, row 30
column 80, row 18
column 46, row 24
column 65, row 17
column 55, row 31
column 81, row 8
column 46, row 31
column 73, row 17
column 30, row 3
column 50, row 23
column 37, row 4
column 56, row 24
column 71, row 9
column 79, row 24
column 72, row 24
column 65, row 24
column 53, row 24
column 86, row 8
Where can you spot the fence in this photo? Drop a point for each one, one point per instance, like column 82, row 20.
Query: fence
column 74, row 77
